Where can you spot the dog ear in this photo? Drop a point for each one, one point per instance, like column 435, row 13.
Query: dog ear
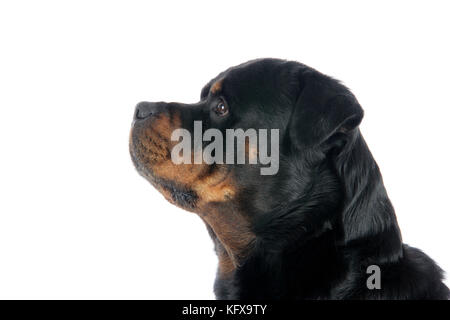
column 324, row 107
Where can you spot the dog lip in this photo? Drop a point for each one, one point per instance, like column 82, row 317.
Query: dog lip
column 181, row 196
column 185, row 198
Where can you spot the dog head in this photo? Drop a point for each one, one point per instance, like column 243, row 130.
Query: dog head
column 315, row 117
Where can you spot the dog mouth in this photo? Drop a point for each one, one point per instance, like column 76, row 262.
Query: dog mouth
column 180, row 196
column 147, row 149
column 189, row 186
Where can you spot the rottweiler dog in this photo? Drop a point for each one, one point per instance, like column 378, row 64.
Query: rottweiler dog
column 321, row 226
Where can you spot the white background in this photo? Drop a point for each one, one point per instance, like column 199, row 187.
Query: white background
column 77, row 221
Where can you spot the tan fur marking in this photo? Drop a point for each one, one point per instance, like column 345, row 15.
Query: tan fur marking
column 215, row 188
column 251, row 151
column 164, row 127
column 226, row 265
column 217, row 86
column 232, row 230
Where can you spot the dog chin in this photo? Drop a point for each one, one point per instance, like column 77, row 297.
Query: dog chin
column 181, row 197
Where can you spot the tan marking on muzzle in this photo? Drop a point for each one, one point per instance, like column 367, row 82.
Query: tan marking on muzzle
column 215, row 188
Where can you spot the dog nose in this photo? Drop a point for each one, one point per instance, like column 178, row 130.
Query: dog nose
column 146, row 109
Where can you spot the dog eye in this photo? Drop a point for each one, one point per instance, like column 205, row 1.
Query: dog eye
column 221, row 108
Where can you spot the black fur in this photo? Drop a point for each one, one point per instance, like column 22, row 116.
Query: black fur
column 338, row 219
column 325, row 216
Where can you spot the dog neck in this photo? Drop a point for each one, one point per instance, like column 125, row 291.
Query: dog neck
column 333, row 215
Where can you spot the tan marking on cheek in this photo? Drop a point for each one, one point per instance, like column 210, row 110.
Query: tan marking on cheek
column 220, row 193
column 217, row 86
column 215, row 187
column 251, row 151
column 185, row 174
